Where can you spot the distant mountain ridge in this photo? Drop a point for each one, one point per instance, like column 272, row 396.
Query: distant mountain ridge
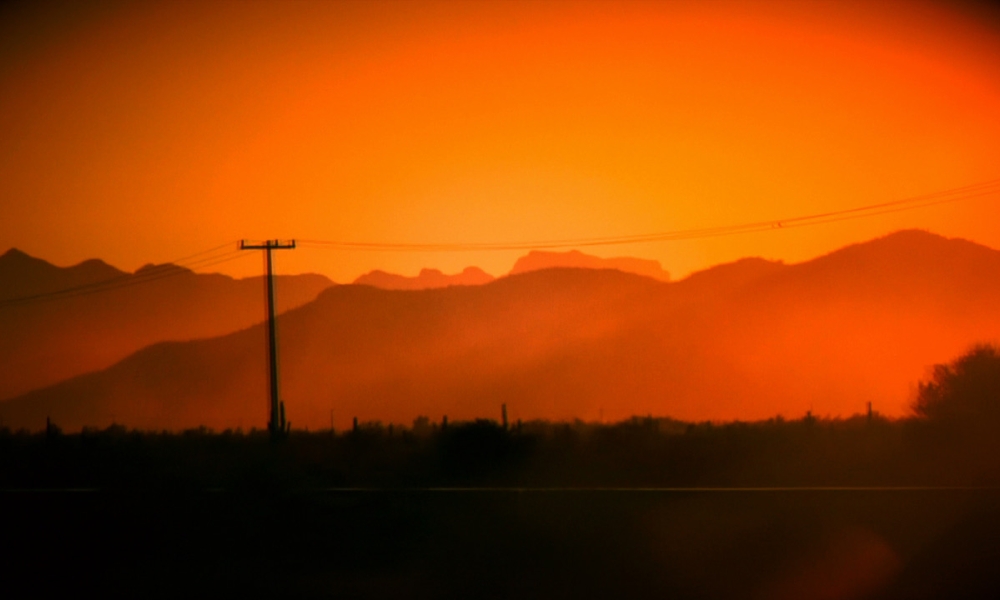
column 23, row 275
column 746, row 340
column 535, row 260
column 110, row 313
column 538, row 259
column 427, row 279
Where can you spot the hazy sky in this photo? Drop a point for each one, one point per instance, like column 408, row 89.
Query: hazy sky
column 142, row 132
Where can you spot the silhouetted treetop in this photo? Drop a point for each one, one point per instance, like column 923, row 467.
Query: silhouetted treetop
column 966, row 390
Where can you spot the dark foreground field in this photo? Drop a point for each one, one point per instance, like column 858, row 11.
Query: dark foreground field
column 506, row 544
column 862, row 508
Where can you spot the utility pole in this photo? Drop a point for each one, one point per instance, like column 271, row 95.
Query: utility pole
column 277, row 424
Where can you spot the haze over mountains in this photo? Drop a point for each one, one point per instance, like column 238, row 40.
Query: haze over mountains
column 50, row 338
column 535, row 260
column 746, row 340
column 427, row 279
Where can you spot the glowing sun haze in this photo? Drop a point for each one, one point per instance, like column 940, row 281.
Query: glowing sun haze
column 142, row 132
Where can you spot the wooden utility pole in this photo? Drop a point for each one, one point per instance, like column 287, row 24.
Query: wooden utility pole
column 277, row 425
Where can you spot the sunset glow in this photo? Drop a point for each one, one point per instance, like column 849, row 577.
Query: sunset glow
column 500, row 298
column 144, row 132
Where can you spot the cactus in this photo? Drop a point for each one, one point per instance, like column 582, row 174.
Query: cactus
column 279, row 427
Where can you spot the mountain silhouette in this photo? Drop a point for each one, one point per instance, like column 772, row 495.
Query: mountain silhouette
column 24, row 275
column 746, row 340
column 533, row 261
column 427, row 279
column 50, row 338
column 537, row 260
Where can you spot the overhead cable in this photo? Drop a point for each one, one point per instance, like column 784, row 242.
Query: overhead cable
column 911, row 203
column 200, row 260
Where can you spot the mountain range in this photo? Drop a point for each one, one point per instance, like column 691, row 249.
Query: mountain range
column 107, row 315
column 426, row 280
column 535, row 260
column 746, row 340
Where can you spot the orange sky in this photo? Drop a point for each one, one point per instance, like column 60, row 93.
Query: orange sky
column 143, row 132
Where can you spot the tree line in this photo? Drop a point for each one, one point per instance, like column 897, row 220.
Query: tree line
column 949, row 440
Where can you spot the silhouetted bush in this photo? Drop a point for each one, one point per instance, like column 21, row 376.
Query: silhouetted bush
column 474, row 449
column 965, row 392
column 644, row 451
column 958, row 414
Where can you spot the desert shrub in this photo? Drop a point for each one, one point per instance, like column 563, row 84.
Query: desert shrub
column 965, row 391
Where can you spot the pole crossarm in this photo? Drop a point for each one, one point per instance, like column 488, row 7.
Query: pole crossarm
column 277, row 424
column 267, row 245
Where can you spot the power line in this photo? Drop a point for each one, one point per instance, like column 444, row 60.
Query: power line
column 911, row 203
column 183, row 259
column 123, row 281
column 212, row 256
